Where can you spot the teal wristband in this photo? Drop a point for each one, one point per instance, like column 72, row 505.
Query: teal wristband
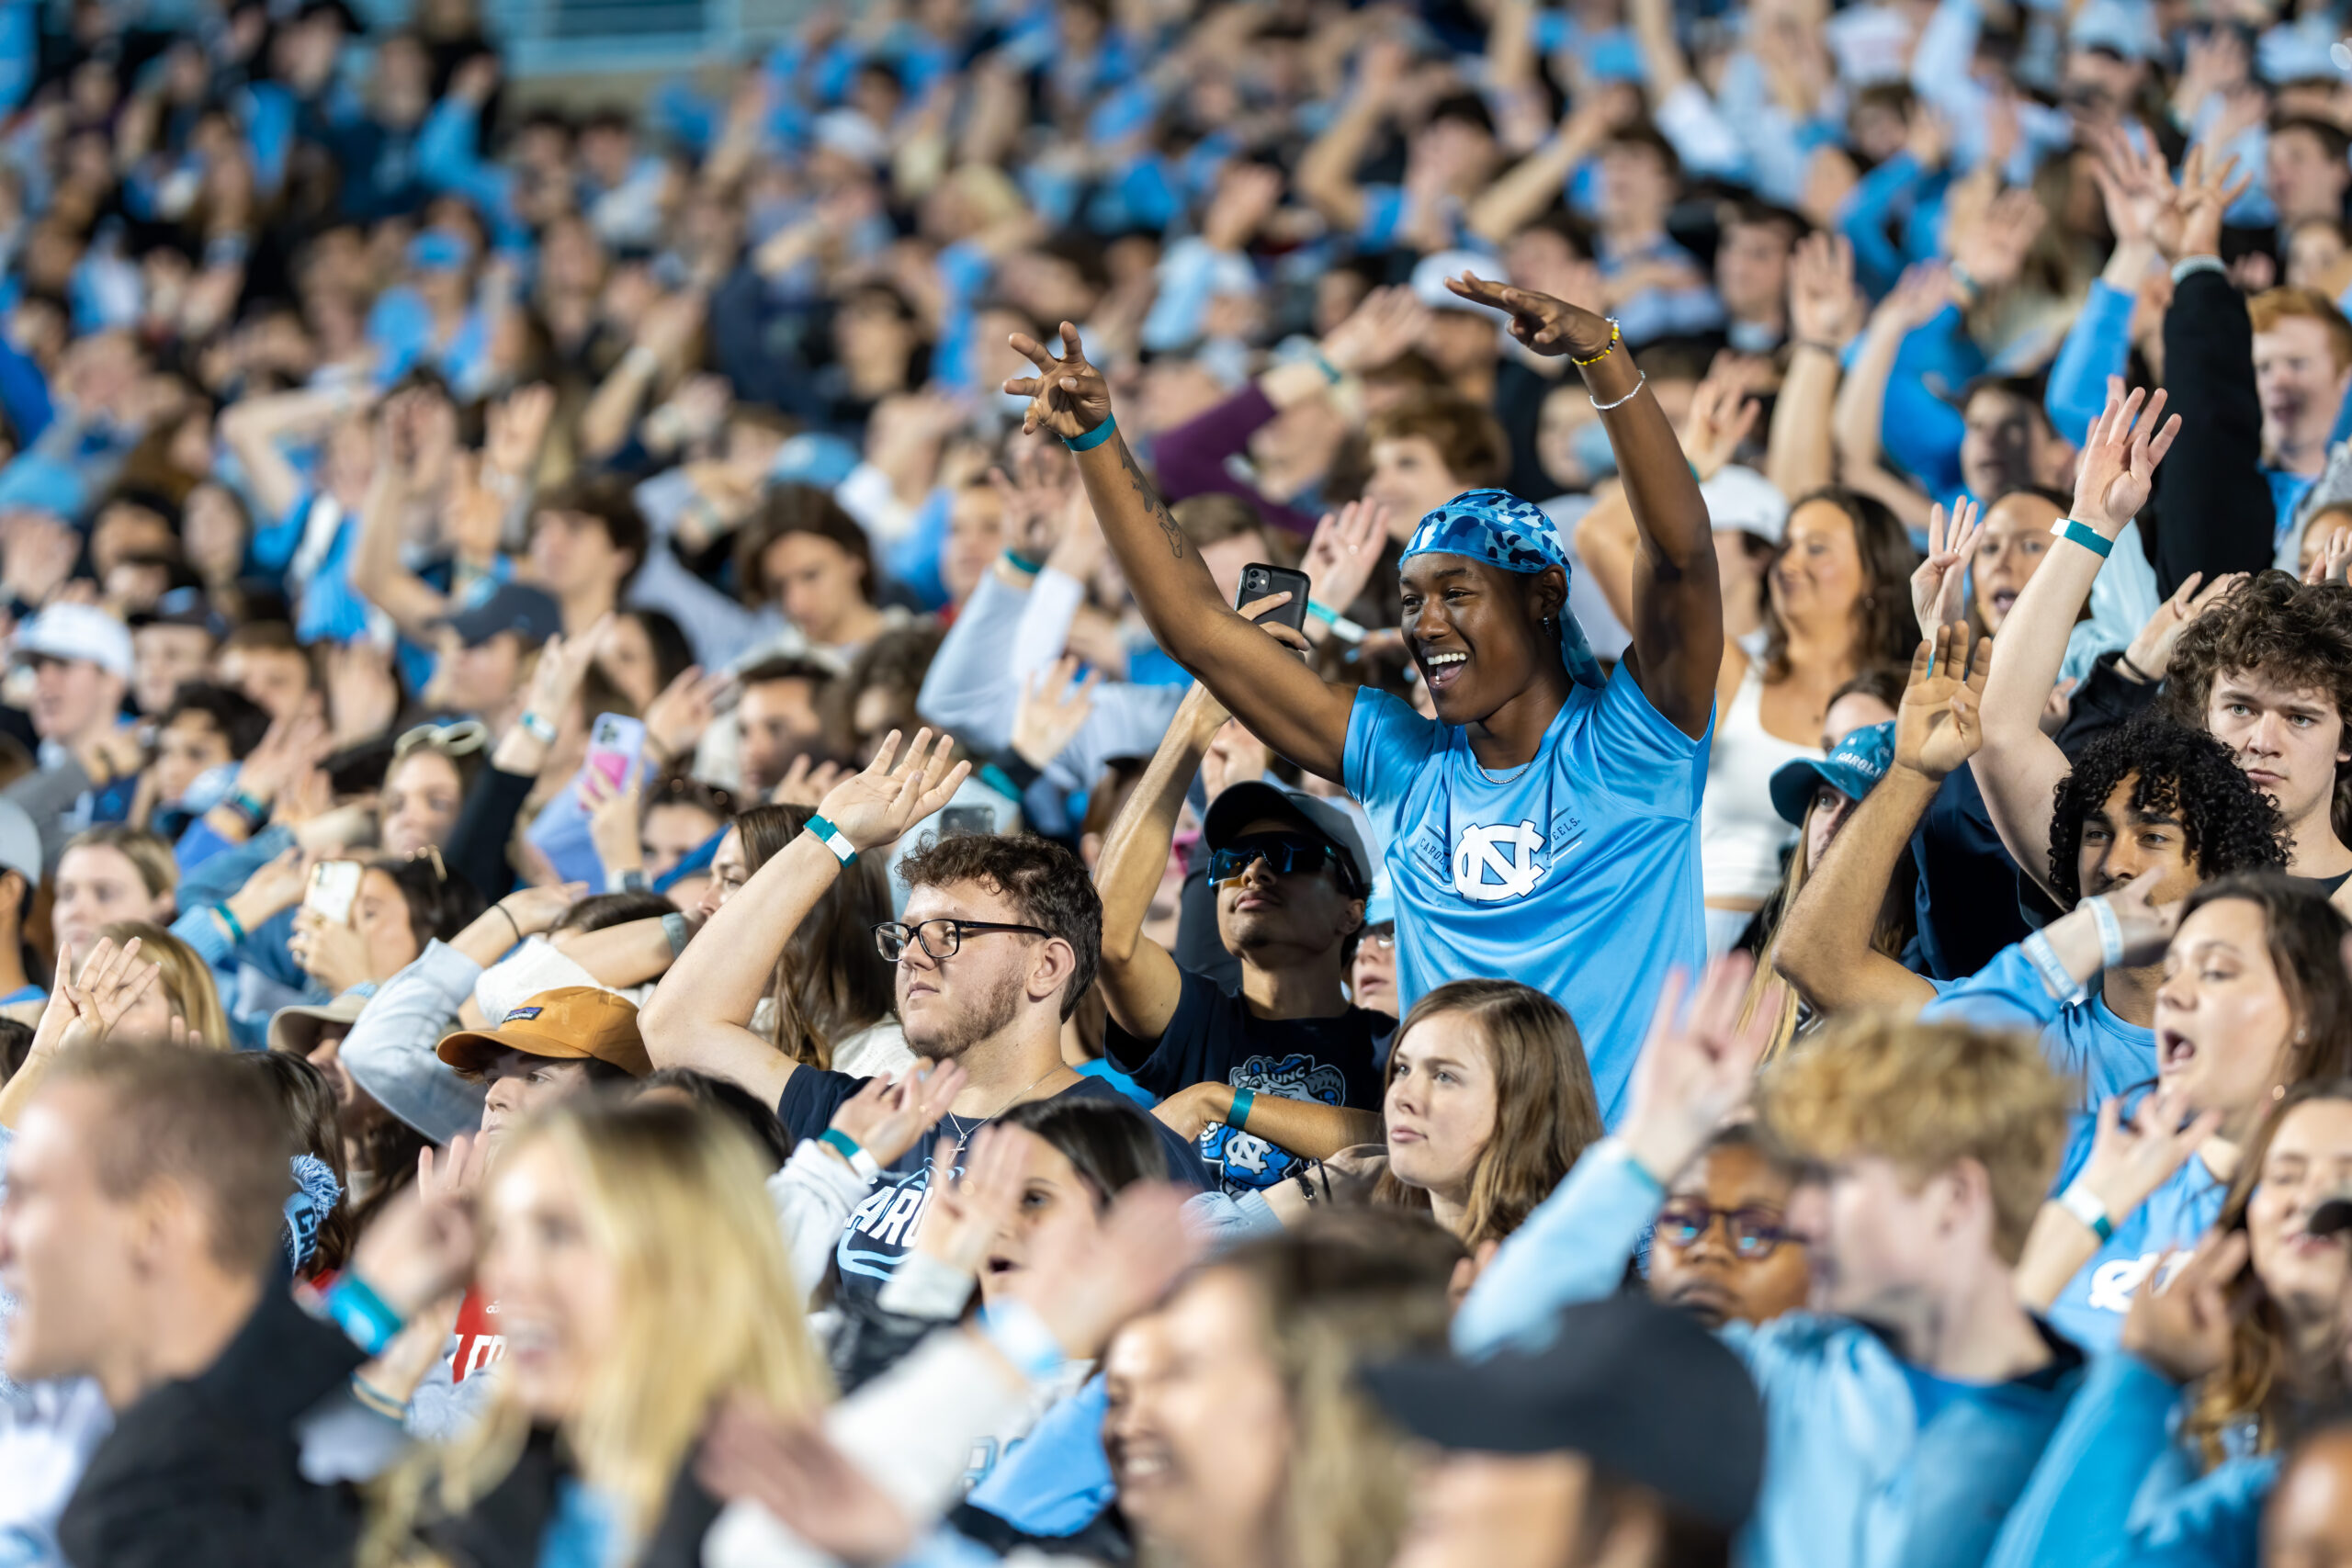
column 2083, row 535
column 1341, row 627
column 236, row 931
column 833, row 839
column 354, row 1306
column 1022, row 564
column 1092, row 438
column 1244, row 1101
column 865, row 1164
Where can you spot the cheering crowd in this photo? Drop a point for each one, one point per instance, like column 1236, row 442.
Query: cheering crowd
column 1213, row 783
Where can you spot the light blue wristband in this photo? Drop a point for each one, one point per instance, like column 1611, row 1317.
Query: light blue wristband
column 352, row 1306
column 1016, row 1330
column 1092, row 438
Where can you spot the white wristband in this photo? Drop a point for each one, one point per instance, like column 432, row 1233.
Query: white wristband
column 2110, row 931
column 2083, row 1203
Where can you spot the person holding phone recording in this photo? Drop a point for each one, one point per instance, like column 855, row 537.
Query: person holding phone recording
column 1543, row 798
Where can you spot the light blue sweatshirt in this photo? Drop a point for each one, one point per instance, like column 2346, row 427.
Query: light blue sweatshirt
column 1853, row 1478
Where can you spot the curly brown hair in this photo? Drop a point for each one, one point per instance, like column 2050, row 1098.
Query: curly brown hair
column 2297, row 634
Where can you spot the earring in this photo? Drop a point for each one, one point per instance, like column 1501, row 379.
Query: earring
column 2279, row 1091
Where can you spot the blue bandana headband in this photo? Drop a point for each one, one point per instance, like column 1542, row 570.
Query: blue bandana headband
column 1499, row 528
column 314, row 1196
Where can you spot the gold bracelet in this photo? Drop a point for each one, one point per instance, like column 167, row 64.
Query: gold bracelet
column 1613, row 336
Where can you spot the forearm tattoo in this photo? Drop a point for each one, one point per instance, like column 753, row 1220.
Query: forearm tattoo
column 1151, row 502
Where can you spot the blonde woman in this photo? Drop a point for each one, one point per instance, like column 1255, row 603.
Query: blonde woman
column 641, row 1280
column 184, row 997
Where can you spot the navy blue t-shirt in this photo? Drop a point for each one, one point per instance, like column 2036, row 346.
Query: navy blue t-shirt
column 882, row 1228
column 1212, row 1037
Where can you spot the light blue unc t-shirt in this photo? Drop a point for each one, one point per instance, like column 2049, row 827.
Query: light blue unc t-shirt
column 2090, row 1310
column 1577, row 874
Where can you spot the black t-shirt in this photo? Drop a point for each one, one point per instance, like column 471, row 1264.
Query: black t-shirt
column 881, row 1228
column 1214, row 1038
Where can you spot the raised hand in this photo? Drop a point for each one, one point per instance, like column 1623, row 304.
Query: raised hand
column 2131, row 1159
column 787, row 1466
column 613, row 818
column 1543, row 323
column 2180, row 1323
column 422, row 1247
column 2136, row 187
column 887, row 1116
column 2150, row 655
column 805, row 781
column 2331, row 561
column 2148, row 928
column 563, row 664
column 962, row 1218
column 2192, row 227
column 1940, row 724
column 1992, row 251
column 330, row 952
column 1940, row 588
column 2118, row 466
column 1067, row 397
column 890, row 794
column 1722, row 416
column 1036, row 497
column 1384, row 323
column 1055, row 706
column 1086, row 1286
column 677, row 718
column 1696, row 1064
column 1825, row 308
column 536, row 910
column 1344, row 549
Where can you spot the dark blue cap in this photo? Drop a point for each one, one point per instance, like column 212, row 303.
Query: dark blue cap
column 1860, row 761
column 1641, row 1390
column 514, row 607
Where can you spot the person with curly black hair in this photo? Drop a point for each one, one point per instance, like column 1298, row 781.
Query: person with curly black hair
column 2150, row 810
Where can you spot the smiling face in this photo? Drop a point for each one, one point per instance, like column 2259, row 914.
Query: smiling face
column 2120, row 842
column 1476, row 631
column 1440, row 1107
column 2309, row 1162
column 2014, row 540
column 1197, row 1428
column 1058, row 1208
column 558, row 1293
column 2289, row 740
column 2223, row 1019
column 1818, row 574
column 2300, row 383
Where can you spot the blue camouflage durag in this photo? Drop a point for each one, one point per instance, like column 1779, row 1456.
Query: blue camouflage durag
column 1497, row 527
column 315, row 1193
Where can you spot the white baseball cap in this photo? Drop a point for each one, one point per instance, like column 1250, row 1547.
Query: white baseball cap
column 82, row 632
column 19, row 843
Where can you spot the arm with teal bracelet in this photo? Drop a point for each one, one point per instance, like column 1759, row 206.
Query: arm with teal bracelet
column 1092, row 438
column 1238, row 1117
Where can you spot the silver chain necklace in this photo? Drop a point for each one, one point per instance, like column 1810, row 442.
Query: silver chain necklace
column 964, row 1135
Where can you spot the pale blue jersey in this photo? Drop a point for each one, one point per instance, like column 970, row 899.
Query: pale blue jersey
column 2083, row 1040
column 1577, row 874
column 2090, row 1310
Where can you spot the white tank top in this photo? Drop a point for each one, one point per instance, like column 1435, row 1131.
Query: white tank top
column 1740, row 836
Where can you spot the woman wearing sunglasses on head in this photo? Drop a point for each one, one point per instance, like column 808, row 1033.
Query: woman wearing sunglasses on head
column 1720, row 1249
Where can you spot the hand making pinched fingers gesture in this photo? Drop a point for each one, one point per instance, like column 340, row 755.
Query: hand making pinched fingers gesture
column 1940, row 724
column 892, row 793
column 1940, row 587
column 887, row 1115
column 1343, row 551
column 2180, row 1318
column 2150, row 655
column 1722, row 416
column 1543, row 323
column 1696, row 1064
column 2131, row 1158
column 2117, row 468
column 1067, row 397
column 962, row 1218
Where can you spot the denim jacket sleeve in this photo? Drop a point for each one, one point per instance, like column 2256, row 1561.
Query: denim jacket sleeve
column 1572, row 1248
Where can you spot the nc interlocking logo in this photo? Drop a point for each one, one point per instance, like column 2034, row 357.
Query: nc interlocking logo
column 1491, row 864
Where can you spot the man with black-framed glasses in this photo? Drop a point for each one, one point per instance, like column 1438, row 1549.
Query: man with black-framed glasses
column 1283, row 1068
column 1002, row 937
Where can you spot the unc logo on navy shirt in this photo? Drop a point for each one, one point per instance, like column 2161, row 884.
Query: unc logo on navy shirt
column 1491, row 864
